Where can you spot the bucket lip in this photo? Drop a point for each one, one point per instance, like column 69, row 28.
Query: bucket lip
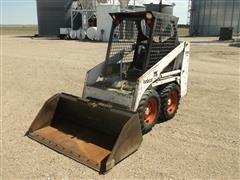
column 87, row 163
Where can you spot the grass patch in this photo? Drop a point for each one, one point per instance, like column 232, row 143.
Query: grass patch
column 19, row 29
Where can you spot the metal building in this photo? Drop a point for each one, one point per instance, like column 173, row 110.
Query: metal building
column 65, row 14
column 208, row 16
column 53, row 14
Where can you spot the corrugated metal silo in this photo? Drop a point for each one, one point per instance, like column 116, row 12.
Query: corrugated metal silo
column 53, row 14
column 208, row 16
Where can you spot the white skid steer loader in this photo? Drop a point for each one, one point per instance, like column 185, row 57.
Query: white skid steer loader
column 141, row 82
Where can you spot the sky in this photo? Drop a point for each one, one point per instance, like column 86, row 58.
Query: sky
column 24, row 11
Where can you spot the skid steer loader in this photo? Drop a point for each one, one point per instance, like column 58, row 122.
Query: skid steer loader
column 141, row 82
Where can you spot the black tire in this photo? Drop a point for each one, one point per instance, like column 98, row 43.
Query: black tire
column 170, row 98
column 148, row 110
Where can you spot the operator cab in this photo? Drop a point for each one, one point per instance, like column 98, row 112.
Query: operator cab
column 137, row 42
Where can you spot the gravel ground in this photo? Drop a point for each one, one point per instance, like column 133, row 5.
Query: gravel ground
column 202, row 141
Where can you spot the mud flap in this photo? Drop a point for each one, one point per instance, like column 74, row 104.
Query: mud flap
column 89, row 132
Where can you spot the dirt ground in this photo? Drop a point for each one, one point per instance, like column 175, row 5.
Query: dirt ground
column 201, row 142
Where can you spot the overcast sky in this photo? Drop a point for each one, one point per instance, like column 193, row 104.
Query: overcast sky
column 24, row 11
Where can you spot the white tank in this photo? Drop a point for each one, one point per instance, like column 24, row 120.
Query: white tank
column 73, row 34
column 92, row 33
column 79, row 35
column 104, row 20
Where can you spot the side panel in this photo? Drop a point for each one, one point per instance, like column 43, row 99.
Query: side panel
column 154, row 74
column 129, row 140
column 92, row 76
column 184, row 70
column 94, row 73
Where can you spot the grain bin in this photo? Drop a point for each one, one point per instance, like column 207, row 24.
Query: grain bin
column 52, row 15
column 208, row 16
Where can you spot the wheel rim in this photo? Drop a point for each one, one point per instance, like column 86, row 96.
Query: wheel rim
column 172, row 101
column 150, row 111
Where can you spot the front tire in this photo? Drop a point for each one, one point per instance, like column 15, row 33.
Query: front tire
column 170, row 98
column 148, row 110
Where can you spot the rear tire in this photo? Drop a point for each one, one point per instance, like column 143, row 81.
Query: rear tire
column 170, row 98
column 148, row 110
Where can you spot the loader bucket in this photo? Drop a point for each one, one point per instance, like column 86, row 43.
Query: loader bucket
column 89, row 132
